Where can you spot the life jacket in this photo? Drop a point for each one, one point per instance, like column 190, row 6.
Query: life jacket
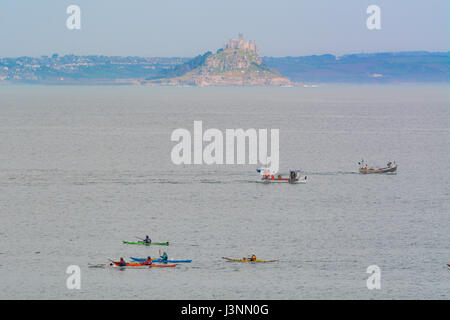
column 148, row 261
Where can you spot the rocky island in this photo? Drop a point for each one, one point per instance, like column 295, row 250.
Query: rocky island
column 236, row 64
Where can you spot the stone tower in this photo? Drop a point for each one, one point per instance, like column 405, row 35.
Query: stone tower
column 241, row 43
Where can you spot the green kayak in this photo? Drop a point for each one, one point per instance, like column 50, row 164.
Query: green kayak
column 147, row 244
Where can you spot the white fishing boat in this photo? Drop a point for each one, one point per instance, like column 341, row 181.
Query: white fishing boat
column 364, row 169
column 293, row 177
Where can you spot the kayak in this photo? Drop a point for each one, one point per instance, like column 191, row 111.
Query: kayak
column 112, row 265
column 147, row 244
column 136, row 264
column 247, row 260
column 159, row 260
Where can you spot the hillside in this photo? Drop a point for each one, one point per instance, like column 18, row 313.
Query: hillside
column 234, row 65
column 365, row 68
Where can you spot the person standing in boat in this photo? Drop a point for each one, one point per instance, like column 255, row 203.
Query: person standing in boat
column 293, row 176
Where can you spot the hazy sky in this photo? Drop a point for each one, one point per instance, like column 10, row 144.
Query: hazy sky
column 190, row 27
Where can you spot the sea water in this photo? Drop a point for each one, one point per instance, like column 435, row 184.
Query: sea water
column 83, row 168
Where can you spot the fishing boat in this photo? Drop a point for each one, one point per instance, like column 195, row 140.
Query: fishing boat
column 248, row 260
column 269, row 176
column 364, row 169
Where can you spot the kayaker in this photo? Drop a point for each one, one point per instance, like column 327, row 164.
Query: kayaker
column 148, row 261
column 122, row 262
column 164, row 257
column 252, row 258
column 147, row 240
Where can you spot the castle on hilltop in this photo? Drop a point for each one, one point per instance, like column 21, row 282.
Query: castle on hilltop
column 242, row 44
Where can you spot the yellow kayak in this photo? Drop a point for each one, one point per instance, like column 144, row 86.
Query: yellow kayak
column 248, row 260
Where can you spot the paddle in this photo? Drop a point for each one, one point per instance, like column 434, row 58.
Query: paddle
column 160, row 257
column 115, row 264
column 143, row 240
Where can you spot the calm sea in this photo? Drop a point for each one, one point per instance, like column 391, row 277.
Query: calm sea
column 83, row 168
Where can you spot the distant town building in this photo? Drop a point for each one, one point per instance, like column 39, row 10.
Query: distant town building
column 242, row 44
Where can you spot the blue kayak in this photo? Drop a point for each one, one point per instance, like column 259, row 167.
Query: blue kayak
column 159, row 260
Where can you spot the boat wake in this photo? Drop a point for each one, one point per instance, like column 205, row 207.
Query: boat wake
column 330, row 173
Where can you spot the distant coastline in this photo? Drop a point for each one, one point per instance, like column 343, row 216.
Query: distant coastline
column 387, row 67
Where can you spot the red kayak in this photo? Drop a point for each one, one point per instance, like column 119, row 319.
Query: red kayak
column 134, row 264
